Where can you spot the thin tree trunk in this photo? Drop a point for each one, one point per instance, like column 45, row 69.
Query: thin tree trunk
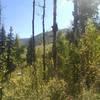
column 1, row 94
column 33, row 38
column 43, row 22
column 0, row 15
column 34, row 72
column 75, row 21
column 55, row 29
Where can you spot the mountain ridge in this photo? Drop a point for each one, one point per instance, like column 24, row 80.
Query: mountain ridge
column 39, row 37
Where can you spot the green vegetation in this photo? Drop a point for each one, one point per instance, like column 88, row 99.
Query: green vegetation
column 77, row 76
column 64, row 67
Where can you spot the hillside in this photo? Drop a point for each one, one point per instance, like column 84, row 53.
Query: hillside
column 39, row 37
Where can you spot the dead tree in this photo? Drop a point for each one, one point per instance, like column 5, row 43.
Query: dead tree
column 54, row 29
column 75, row 14
column 0, row 15
column 33, row 33
column 43, row 24
column 43, row 27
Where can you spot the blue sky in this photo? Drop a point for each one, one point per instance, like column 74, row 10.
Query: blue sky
column 18, row 14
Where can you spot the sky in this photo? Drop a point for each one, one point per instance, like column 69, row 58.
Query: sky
column 18, row 14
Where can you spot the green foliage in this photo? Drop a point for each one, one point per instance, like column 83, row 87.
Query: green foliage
column 2, row 40
column 84, row 9
column 2, row 52
column 55, row 89
column 10, row 52
column 62, row 53
column 89, row 95
column 83, row 61
column 88, row 8
column 78, row 65
column 78, row 69
column 29, row 55
column 19, row 51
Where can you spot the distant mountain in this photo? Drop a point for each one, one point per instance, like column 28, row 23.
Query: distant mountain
column 39, row 38
column 24, row 41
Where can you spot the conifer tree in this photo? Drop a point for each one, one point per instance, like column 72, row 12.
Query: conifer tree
column 2, row 47
column 10, row 52
column 29, row 57
column 2, row 57
column 19, row 50
column 2, row 40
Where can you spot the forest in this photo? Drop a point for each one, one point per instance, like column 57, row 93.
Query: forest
column 65, row 66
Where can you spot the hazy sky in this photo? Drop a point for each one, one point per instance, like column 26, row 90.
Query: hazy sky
column 18, row 14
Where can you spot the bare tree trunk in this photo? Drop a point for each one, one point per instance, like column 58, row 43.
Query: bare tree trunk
column 1, row 94
column 34, row 71
column 43, row 24
column 0, row 15
column 33, row 37
column 55, row 29
column 0, row 31
column 75, row 14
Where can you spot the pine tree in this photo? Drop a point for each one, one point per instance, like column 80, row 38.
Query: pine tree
column 29, row 56
column 2, row 40
column 2, row 57
column 2, row 47
column 10, row 52
column 19, row 50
